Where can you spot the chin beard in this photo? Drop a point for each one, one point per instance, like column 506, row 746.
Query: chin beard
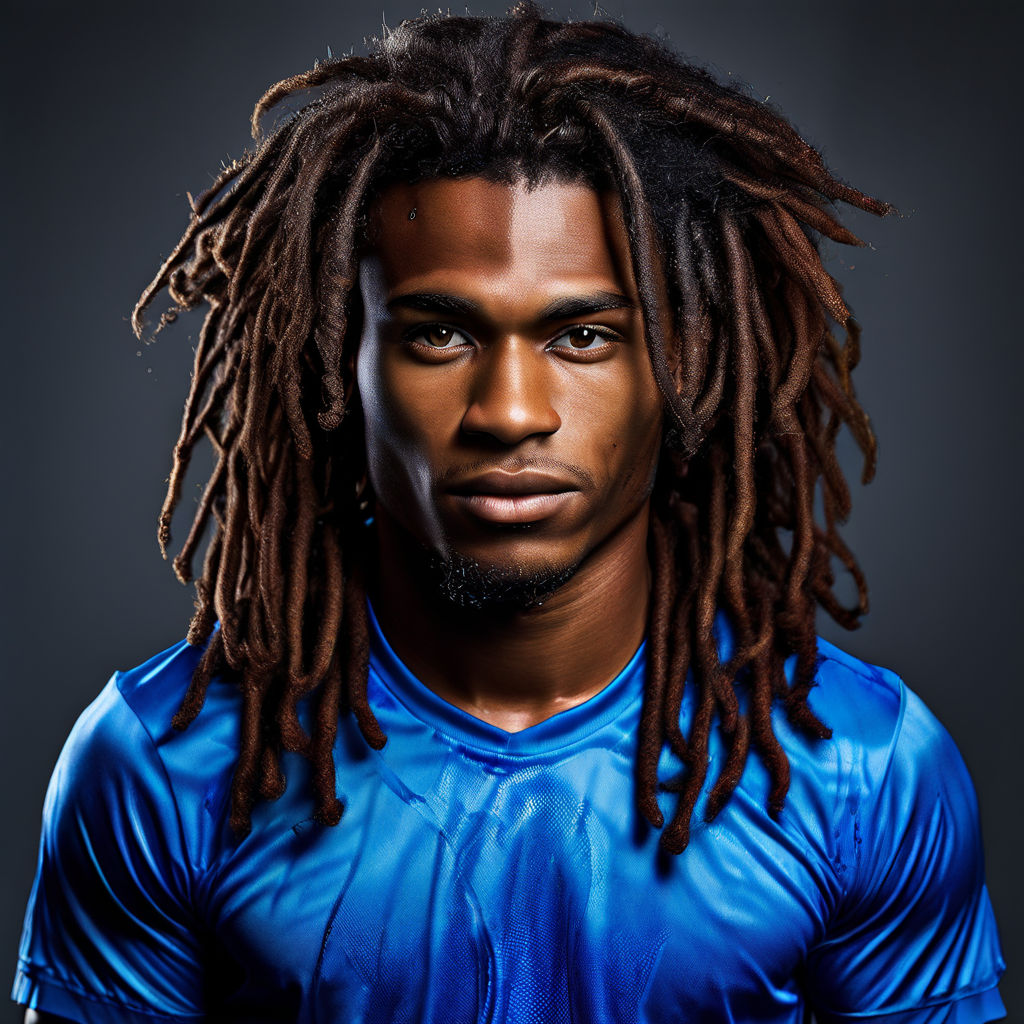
column 463, row 582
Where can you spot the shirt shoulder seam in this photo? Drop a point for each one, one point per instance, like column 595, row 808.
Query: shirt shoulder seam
column 851, row 887
column 195, row 873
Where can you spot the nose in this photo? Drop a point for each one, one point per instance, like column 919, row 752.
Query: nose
column 511, row 396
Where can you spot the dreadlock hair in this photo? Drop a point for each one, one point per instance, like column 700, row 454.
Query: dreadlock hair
column 723, row 202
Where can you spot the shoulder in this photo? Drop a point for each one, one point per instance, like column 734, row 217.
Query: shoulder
column 132, row 713
column 110, row 924
column 868, row 709
column 123, row 725
column 154, row 689
column 876, row 719
column 124, row 762
column 889, row 779
column 864, row 700
column 897, row 783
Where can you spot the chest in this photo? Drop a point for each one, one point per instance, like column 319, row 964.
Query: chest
column 519, row 897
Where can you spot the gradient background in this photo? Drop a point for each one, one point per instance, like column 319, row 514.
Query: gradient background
column 112, row 111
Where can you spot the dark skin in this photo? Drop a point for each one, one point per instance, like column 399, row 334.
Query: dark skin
column 478, row 381
column 503, row 333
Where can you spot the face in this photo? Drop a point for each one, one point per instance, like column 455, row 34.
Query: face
column 512, row 418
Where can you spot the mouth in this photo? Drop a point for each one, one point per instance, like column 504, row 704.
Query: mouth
column 514, row 508
column 526, row 496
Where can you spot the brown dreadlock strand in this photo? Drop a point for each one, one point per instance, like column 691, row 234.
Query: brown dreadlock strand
column 722, row 202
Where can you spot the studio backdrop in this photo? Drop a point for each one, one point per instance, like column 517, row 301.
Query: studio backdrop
column 113, row 112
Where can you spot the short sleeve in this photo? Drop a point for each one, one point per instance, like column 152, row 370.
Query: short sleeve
column 914, row 940
column 108, row 932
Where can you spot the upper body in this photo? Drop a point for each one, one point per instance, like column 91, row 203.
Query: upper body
column 518, row 354
column 479, row 874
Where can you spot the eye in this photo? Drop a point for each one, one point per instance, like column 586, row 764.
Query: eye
column 437, row 336
column 584, row 340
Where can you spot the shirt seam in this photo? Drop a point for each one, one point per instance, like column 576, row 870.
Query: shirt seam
column 35, row 972
column 460, row 742
column 840, row 885
column 852, row 890
column 195, row 874
column 563, row 748
column 947, row 1000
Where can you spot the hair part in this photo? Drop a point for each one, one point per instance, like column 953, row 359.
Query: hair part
column 723, row 202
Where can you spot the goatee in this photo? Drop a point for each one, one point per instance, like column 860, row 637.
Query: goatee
column 463, row 582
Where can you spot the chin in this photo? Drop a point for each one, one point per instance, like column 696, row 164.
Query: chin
column 471, row 583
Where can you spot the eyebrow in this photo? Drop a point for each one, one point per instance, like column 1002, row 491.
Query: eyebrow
column 559, row 309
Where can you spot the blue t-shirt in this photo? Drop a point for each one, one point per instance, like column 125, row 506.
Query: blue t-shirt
column 480, row 875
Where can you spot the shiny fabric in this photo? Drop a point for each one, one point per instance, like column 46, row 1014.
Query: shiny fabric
column 479, row 875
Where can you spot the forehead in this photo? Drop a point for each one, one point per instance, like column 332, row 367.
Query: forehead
column 473, row 228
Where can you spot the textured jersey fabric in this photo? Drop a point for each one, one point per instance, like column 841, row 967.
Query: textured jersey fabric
column 479, row 875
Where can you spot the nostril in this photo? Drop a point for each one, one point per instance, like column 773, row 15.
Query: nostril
column 511, row 422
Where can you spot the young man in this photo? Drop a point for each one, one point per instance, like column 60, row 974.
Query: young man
column 502, row 699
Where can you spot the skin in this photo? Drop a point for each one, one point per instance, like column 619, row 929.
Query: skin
column 500, row 383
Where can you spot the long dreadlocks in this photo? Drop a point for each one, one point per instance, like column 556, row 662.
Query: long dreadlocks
column 722, row 201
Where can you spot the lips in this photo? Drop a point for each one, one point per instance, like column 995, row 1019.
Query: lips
column 525, row 496
column 524, row 481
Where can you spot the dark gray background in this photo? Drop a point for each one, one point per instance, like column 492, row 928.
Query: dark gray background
column 112, row 111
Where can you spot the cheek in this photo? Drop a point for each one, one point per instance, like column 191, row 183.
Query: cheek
column 636, row 454
column 389, row 446
column 404, row 423
column 647, row 419
column 630, row 433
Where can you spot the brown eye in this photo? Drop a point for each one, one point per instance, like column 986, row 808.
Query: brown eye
column 438, row 336
column 582, row 339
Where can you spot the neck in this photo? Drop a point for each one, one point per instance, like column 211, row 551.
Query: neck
column 515, row 668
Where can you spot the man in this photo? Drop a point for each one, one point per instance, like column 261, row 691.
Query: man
column 502, row 699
